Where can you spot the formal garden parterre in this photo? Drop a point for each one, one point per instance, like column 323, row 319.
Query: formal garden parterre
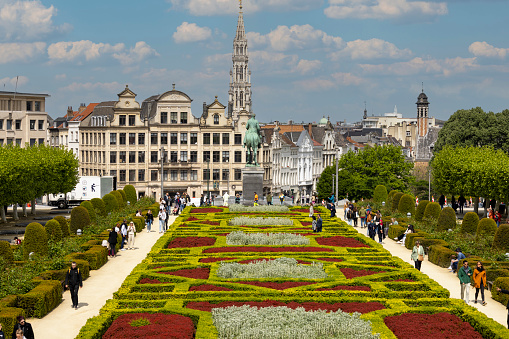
column 360, row 283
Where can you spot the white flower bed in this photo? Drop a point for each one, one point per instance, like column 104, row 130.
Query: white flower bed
column 277, row 239
column 247, row 322
column 279, row 268
column 238, row 221
column 259, row 208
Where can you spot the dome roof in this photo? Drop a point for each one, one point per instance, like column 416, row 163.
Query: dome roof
column 323, row 121
column 422, row 99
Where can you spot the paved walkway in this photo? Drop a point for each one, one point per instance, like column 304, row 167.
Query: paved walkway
column 65, row 322
column 442, row 276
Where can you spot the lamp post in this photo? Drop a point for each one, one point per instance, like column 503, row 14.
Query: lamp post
column 162, row 171
column 337, row 166
column 333, row 178
column 208, row 178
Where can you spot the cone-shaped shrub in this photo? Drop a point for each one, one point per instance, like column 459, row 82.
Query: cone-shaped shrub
column 79, row 219
column 118, row 196
column 110, row 202
column 99, row 207
column 124, row 197
column 35, row 241
column 380, row 193
column 470, row 223
column 130, row 193
column 389, row 198
column 446, row 219
column 64, row 225
column 6, row 252
column 419, row 212
column 53, row 230
column 487, row 226
column 395, row 200
column 432, row 211
column 406, row 204
column 91, row 211
column 501, row 241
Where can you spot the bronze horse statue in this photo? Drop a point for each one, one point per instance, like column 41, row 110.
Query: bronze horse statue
column 252, row 141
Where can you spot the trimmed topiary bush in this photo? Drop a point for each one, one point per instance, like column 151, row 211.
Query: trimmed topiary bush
column 470, row 223
column 130, row 193
column 406, row 204
column 91, row 210
column 395, row 200
column 390, row 196
column 99, row 207
column 35, row 241
column 432, row 211
column 124, row 197
column 380, row 193
column 118, row 196
column 110, row 203
column 501, row 241
column 53, row 230
column 64, row 225
column 79, row 219
column 6, row 251
column 419, row 212
column 446, row 219
column 487, row 226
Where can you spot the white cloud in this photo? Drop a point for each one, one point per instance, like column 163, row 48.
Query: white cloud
column 370, row 49
column 383, row 9
column 136, row 54
column 62, row 76
column 89, row 86
column 347, row 79
column 27, row 20
column 308, row 66
column 10, row 52
column 326, row 83
column 191, row 33
column 21, row 80
column 65, row 51
column 417, row 65
column 483, row 49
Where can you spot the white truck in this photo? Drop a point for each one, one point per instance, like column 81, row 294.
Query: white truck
column 87, row 188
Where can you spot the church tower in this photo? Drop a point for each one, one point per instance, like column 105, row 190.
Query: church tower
column 240, row 75
column 422, row 114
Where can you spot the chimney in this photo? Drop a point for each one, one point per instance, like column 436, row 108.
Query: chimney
column 82, row 107
column 204, row 108
column 310, row 130
column 69, row 112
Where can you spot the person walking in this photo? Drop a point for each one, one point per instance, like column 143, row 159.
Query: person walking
column 123, row 232
column 311, row 211
column 417, row 255
column 319, row 223
column 362, row 215
column 281, row 198
column 479, row 282
column 131, row 233
column 500, row 290
column 313, row 223
column 255, row 199
column 112, row 240
column 441, row 201
column 162, row 219
column 269, row 199
column 25, row 327
column 355, row 215
column 464, row 274
column 237, row 198
column 149, row 219
column 74, row 282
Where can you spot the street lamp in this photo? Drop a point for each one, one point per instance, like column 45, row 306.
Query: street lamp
column 162, row 171
column 337, row 177
column 208, row 178
column 333, row 181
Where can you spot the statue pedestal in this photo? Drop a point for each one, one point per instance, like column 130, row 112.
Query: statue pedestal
column 252, row 181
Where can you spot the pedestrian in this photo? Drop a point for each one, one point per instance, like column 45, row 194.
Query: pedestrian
column 255, row 199
column 149, row 219
column 454, row 262
column 237, row 198
column 19, row 334
column 355, row 215
column 500, row 290
column 362, row 215
column 2, row 335
column 73, row 282
column 345, row 210
column 479, row 282
column 464, row 274
column 138, row 213
column 311, row 211
column 417, row 255
column 441, row 201
column 281, row 198
column 112, row 240
column 201, row 200
column 131, row 233
column 379, row 227
column 332, row 210
column 319, row 223
column 123, row 232
column 162, row 219
column 313, row 223
column 497, row 218
column 269, row 199
column 461, row 203
column 25, row 327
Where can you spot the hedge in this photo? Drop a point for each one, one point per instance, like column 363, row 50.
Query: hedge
column 120, row 199
column 96, row 256
column 91, row 210
column 487, row 226
column 380, row 194
column 389, row 198
column 395, row 200
column 99, row 206
column 80, row 219
column 130, row 193
column 446, row 219
column 6, row 251
column 470, row 223
column 53, row 230
column 440, row 255
column 139, row 222
column 406, row 204
column 419, row 212
column 432, row 211
column 395, row 231
column 64, row 225
column 110, row 203
column 502, row 283
column 8, row 320
column 41, row 299
column 501, row 241
column 35, row 241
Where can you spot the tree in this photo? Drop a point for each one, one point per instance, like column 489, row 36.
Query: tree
column 380, row 193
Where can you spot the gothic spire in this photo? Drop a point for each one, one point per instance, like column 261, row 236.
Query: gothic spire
column 240, row 24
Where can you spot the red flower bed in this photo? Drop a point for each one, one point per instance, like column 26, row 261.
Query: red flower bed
column 330, row 259
column 195, row 273
column 222, row 234
column 162, row 326
column 254, row 260
column 206, row 210
column 265, row 249
column 340, row 242
column 208, row 222
column 303, row 210
column 275, row 285
column 207, row 287
column 424, row 326
column 351, row 273
column 345, row 288
column 192, row 219
column 306, row 223
column 214, row 259
column 308, row 306
column 149, row 281
column 191, row 242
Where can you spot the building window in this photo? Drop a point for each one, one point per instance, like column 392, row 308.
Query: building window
column 153, row 175
column 132, row 121
column 206, row 156
column 238, row 156
column 194, row 156
column 173, row 117
column 29, row 105
column 113, row 173
column 41, row 141
column 206, row 138
column 122, row 138
column 226, row 175
column 164, row 117
column 121, row 157
column 183, row 175
column 238, row 174
column 216, row 119
column 113, row 138
column 132, row 175
column 18, row 142
column 113, row 157
column 226, row 156
column 9, row 124
column 226, row 138
column 194, row 138
column 32, row 141
column 37, row 106
column 174, row 175
column 215, row 174
column 407, row 133
column 32, row 125
column 173, row 156
column 194, row 175
column 153, row 156
column 215, row 138
column 183, row 138
column 141, row 138
column 164, row 138
column 132, row 157
column 141, row 157
column 153, row 138
column 41, row 125
column 183, row 117
column 122, row 175
column 141, row 175
column 173, row 138
column 1, row 123
column 215, row 156
column 2, row 142
column 183, row 156
column 121, row 120
column 132, row 138
column 238, row 139
column 17, row 124
column 206, row 174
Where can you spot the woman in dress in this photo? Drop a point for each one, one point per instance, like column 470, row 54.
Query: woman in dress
column 417, row 255
column 131, row 231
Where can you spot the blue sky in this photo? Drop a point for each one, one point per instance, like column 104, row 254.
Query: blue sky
column 309, row 58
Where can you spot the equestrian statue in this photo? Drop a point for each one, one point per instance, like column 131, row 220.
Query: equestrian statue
column 252, row 141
